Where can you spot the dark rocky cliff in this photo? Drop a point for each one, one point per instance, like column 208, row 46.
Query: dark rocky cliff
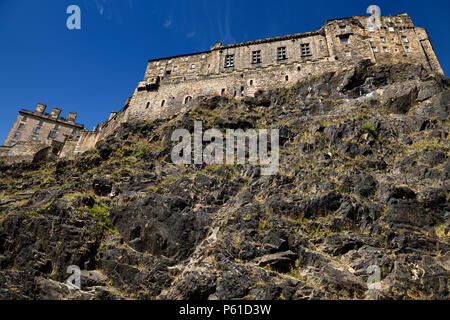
column 363, row 180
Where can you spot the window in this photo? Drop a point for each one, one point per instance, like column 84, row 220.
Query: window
column 286, row 78
column 158, row 63
column 345, row 41
column 343, row 28
column 229, row 61
column 161, row 71
column 41, row 123
column 147, row 105
column 306, row 50
column 37, row 130
column 21, row 126
column 242, row 91
column 223, row 92
column 16, row 135
column 34, row 138
column 204, row 56
column 371, row 39
column 348, row 54
column 385, row 49
column 382, row 39
column 374, row 49
column 192, row 66
column 52, row 135
column 56, row 126
column 321, row 43
column 256, row 56
column 388, row 19
column 187, row 99
column 281, row 53
column 12, row 143
column 24, row 118
column 251, row 82
column 163, row 103
column 391, row 29
column 371, row 29
column 405, row 39
column 407, row 49
column 169, row 62
column 74, row 131
column 175, row 69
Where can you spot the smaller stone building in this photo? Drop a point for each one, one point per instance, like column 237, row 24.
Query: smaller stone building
column 42, row 127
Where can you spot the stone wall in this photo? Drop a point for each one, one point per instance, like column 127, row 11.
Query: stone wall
column 22, row 151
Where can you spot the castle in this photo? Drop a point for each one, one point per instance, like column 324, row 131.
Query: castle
column 170, row 84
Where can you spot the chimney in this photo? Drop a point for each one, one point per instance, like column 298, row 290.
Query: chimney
column 217, row 45
column 112, row 115
column 55, row 113
column 40, row 108
column 72, row 116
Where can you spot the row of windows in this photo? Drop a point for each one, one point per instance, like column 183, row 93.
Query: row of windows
column 386, row 49
column 189, row 98
column 257, row 57
column 383, row 39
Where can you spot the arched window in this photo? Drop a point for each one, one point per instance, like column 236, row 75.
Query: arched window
column 251, row 82
column 187, row 99
column 242, row 91
column 148, row 105
column 287, row 78
column 163, row 103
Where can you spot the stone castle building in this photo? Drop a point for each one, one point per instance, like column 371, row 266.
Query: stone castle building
column 170, row 84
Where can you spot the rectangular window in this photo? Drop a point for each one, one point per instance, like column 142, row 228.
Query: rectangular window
column 345, row 41
column 56, row 126
column 37, row 130
column 391, row 29
column 175, row 69
column 192, row 66
column 256, row 56
column 16, row 135
column 388, row 19
column 52, row 134
column 24, row 118
column 348, row 54
column 34, row 138
column 305, row 49
column 405, row 39
column 229, row 61
column 375, row 49
column 382, row 39
column 41, row 122
column 74, row 131
column 343, row 28
column 385, row 49
column 407, row 49
column 281, row 53
column 371, row 29
column 371, row 39
column 21, row 126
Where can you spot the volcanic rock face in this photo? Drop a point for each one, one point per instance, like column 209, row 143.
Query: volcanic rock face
column 363, row 181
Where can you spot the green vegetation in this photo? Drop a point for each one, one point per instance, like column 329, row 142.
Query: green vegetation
column 369, row 129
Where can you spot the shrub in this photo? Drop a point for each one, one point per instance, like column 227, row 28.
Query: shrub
column 368, row 128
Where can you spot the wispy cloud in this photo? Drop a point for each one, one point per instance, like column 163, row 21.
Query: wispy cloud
column 167, row 23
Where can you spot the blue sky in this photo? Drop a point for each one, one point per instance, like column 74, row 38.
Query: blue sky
column 94, row 70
